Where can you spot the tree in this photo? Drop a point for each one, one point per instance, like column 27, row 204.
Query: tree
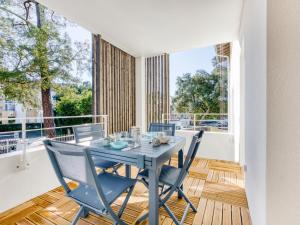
column 73, row 100
column 199, row 93
column 36, row 54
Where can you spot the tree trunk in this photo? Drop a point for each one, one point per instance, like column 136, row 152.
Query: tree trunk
column 48, row 112
column 96, row 72
column 45, row 80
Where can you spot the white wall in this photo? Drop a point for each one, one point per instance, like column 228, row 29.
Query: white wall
column 235, row 99
column 283, row 133
column 140, row 93
column 214, row 145
column 253, row 75
column 18, row 186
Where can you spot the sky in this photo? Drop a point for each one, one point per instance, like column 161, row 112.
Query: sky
column 188, row 61
column 79, row 34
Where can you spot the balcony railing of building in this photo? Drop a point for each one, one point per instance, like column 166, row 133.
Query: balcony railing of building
column 23, row 134
column 214, row 122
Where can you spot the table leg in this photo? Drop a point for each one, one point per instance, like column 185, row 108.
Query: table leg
column 128, row 171
column 153, row 197
column 180, row 165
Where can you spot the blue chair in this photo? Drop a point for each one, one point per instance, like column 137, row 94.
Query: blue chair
column 169, row 129
column 173, row 178
column 95, row 192
column 90, row 132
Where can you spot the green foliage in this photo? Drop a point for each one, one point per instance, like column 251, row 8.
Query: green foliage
column 74, row 101
column 200, row 92
column 34, row 57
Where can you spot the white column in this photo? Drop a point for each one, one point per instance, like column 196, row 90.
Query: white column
column 234, row 96
column 253, row 44
column 140, row 93
column 283, row 110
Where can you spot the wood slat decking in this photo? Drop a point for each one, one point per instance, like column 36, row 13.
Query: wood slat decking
column 215, row 187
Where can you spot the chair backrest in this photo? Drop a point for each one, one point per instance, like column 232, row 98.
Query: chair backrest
column 88, row 132
column 75, row 162
column 191, row 155
column 169, row 129
column 69, row 161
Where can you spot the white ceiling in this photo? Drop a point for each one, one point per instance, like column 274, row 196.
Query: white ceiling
column 150, row 27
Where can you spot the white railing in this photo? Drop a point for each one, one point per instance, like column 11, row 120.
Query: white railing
column 32, row 134
column 216, row 122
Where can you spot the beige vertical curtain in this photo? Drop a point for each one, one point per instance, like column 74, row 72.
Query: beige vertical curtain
column 157, row 88
column 113, row 85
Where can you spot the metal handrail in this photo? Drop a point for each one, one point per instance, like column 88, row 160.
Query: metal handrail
column 23, row 122
column 193, row 117
column 52, row 117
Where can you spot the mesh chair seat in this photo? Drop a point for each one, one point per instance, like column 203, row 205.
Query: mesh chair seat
column 168, row 175
column 113, row 186
column 103, row 164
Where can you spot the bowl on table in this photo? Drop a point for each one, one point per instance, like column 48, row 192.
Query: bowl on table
column 164, row 139
column 118, row 145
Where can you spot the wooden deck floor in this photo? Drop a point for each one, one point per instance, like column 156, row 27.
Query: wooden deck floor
column 216, row 187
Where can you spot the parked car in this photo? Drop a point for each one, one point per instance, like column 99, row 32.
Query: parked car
column 221, row 124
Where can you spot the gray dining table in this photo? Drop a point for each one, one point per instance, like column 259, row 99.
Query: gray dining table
column 144, row 156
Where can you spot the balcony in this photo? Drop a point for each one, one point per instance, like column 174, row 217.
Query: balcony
column 131, row 87
column 216, row 187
